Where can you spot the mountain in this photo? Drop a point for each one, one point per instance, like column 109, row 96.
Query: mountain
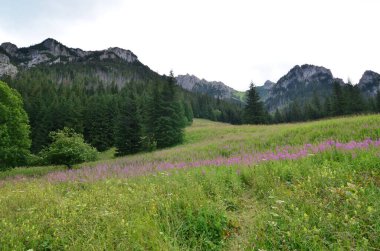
column 214, row 89
column 51, row 51
column 264, row 89
column 369, row 83
column 64, row 65
column 299, row 84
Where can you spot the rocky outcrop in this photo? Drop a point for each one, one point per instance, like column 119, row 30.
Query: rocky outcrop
column 6, row 68
column 10, row 48
column 212, row 88
column 300, row 83
column 50, row 51
column 369, row 83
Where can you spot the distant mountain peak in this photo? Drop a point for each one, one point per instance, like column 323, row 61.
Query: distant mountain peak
column 126, row 55
column 51, row 51
column 369, row 83
column 9, row 48
column 211, row 88
column 268, row 84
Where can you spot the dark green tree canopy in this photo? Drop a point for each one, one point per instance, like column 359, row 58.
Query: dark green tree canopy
column 128, row 126
column 254, row 109
column 14, row 128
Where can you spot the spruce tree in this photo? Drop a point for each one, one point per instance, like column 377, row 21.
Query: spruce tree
column 338, row 102
column 277, row 117
column 127, row 126
column 170, row 123
column 254, row 109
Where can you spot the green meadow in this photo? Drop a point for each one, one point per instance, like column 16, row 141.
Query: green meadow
column 327, row 200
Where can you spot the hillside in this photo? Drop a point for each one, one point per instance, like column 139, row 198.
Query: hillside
column 294, row 186
column 301, row 84
column 214, row 89
column 69, row 87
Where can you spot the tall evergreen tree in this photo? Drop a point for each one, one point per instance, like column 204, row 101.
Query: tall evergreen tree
column 378, row 100
column 254, row 109
column 278, row 118
column 170, row 124
column 338, row 104
column 128, row 126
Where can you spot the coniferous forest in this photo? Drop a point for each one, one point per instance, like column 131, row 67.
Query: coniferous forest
column 148, row 112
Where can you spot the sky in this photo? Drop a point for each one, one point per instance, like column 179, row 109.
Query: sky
column 233, row 41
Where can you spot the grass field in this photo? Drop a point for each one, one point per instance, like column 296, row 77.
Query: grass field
column 306, row 186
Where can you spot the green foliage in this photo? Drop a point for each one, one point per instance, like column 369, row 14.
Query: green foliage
column 128, row 127
column 164, row 117
column 321, row 202
column 254, row 110
column 170, row 124
column 344, row 100
column 84, row 96
column 68, row 148
column 14, row 128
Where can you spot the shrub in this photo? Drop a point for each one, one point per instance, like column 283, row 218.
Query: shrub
column 68, row 148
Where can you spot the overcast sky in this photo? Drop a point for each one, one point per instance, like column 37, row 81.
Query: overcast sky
column 235, row 41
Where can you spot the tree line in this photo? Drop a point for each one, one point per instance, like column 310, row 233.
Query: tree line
column 148, row 112
column 142, row 115
column 343, row 100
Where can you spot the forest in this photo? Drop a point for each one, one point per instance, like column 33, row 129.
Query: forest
column 149, row 111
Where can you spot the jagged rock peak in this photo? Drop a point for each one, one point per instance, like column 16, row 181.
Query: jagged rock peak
column 10, row 48
column 369, row 76
column 50, row 41
column 306, row 74
column 187, row 81
column 268, row 84
column 308, row 70
column 370, row 83
column 126, row 55
column 211, row 88
column 55, row 47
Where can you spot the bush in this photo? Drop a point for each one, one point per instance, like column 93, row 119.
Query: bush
column 68, row 148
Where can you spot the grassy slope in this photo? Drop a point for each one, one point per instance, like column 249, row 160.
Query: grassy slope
column 326, row 201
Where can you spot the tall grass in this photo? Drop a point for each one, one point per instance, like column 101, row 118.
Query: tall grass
column 328, row 200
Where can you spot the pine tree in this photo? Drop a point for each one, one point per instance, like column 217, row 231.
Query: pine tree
column 378, row 100
column 254, row 109
column 338, row 101
column 170, row 124
column 127, row 126
column 328, row 107
column 188, row 113
column 278, row 117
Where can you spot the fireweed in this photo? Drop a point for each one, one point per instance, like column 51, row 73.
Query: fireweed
column 103, row 171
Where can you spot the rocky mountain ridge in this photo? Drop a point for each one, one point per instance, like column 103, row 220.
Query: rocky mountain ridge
column 215, row 89
column 369, row 83
column 50, row 52
column 300, row 83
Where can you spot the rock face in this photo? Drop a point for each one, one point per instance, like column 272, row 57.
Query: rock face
column 212, row 88
column 9, row 48
column 6, row 68
column 300, row 83
column 369, row 83
column 51, row 52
